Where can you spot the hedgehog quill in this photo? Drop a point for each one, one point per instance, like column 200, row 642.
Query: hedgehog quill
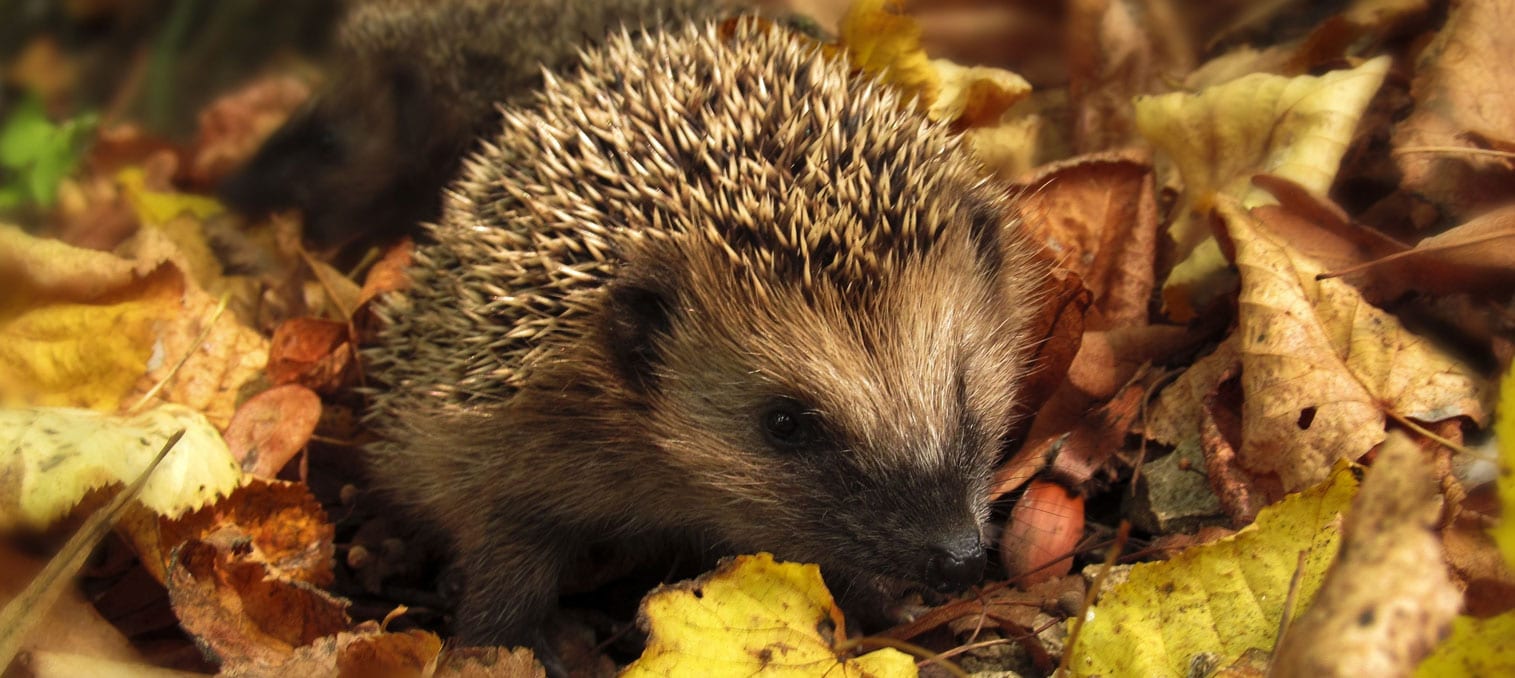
column 710, row 287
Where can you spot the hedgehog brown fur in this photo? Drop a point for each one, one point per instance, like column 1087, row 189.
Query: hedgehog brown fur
column 715, row 287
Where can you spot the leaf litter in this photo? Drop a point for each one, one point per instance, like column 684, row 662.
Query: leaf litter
column 1261, row 236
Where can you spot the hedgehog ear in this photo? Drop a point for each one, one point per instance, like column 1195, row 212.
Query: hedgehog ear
column 637, row 313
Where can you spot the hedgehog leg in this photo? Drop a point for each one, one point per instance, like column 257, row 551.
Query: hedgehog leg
column 513, row 581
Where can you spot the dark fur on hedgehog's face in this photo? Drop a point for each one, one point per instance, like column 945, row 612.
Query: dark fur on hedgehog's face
column 848, row 421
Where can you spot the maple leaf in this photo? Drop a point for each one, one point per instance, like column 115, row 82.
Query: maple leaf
column 1321, row 367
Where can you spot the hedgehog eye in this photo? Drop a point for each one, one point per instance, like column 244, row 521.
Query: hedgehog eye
column 788, row 425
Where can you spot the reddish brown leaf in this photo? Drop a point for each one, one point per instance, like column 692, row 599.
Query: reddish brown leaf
column 1098, row 217
column 312, row 352
column 274, row 523
column 272, row 427
column 238, row 611
column 232, row 127
column 1477, row 257
column 1463, row 83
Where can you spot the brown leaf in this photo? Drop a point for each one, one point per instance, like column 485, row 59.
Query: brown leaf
column 367, row 651
column 1476, row 257
column 249, row 619
column 272, row 427
column 312, row 352
column 274, row 523
column 1479, row 568
column 1463, row 83
column 1098, row 216
column 1320, row 367
column 389, row 274
column 1117, row 50
column 1105, row 362
column 1387, row 600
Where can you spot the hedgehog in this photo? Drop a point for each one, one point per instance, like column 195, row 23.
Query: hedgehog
column 713, row 288
column 416, row 83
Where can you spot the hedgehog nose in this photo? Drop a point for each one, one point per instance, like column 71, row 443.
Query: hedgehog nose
column 956, row 563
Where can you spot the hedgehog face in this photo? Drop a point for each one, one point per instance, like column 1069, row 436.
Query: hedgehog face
column 850, row 425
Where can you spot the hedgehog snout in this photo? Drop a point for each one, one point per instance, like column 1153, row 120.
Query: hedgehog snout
column 956, row 562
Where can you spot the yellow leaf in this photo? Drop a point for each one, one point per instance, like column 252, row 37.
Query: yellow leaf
column 1389, row 596
column 89, row 329
column 1296, row 128
column 173, row 229
column 882, row 41
column 84, row 354
column 1476, row 647
column 751, row 616
column 156, row 208
column 1221, row 598
column 1504, row 432
column 1321, row 366
column 57, row 455
column 975, row 96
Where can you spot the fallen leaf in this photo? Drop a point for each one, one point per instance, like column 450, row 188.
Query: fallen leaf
column 882, row 41
column 248, row 619
column 82, row 340
column 1462, row 84
column 233, row 127
column 1296, row 128
column 1388, row 599
column 58, row 455
column 1118, row 50
column 274, row 523
column 23, row 613
column 885, row 42
column 313, row 352
column 1098, row 217
column 367, row 651
column 92, row 354
column 753, row 615
column 974, row 96
column 1478, row 256
column 1223, row 598
column 1475, row 647
column 1321, row 367
column 272, row 427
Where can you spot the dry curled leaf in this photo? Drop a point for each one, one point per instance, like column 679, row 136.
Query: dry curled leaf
column 247, row 618
column 1296, row 128
column 274, row 523
column 1463, row 83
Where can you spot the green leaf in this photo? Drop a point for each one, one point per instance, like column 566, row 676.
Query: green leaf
column 36, row 154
